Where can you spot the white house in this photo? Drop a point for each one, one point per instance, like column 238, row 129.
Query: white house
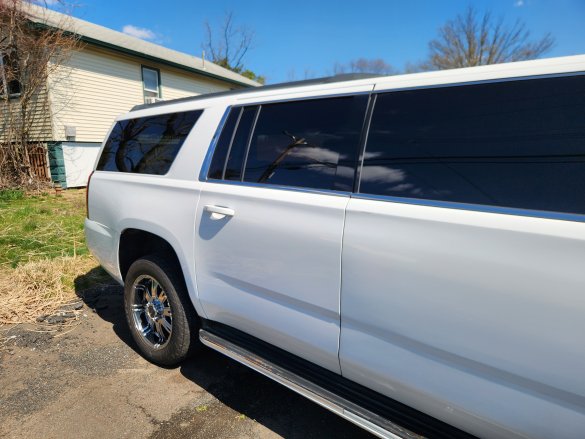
column 107, row 76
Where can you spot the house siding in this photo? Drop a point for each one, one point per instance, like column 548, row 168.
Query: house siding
column 90, row 91
column 176, row 84
column 97, row 85
column 38, row 119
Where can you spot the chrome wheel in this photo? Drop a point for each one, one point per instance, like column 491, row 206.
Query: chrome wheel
column 151, row 311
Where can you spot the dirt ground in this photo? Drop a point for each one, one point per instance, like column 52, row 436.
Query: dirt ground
column 90, row 382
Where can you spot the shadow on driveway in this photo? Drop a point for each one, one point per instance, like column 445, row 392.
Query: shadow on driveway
column 241, row 389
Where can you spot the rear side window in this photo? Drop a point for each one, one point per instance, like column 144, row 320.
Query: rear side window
column 517, row 144
column 147, row 145
column 310, row 143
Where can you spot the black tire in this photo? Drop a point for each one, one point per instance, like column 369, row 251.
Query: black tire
column 182, row 340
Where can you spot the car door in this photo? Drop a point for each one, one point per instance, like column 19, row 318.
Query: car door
column 463, row 280
column 270, row 222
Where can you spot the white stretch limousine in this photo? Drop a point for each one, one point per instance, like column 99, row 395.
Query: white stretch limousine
column 407, row 251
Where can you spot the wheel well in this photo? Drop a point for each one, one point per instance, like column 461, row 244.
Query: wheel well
column 136, row 243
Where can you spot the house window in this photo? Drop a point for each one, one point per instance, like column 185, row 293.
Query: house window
column 151, row 84
column 9, row 83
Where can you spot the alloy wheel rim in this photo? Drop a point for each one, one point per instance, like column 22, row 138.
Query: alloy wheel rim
column 151, row 311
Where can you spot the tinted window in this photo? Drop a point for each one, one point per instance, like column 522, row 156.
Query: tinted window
column 146, row 145
column 233, row 169
column 307, row 143
column 223, row 146
column 517, row 144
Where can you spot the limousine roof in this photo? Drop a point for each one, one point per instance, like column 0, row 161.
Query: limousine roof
column 519, row 70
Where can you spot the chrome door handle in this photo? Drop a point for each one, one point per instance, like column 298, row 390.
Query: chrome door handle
column 219, row 212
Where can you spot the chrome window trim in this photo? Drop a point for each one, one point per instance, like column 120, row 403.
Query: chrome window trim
column 304, row 190
column 211, row 149
column 483, row 208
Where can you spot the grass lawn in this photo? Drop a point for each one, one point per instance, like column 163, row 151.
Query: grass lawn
column 41, row 226
column 43, row 256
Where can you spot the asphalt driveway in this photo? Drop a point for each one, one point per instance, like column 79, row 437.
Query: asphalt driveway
column 90, row 382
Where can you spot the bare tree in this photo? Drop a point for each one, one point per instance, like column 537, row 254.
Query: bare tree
column 30, row 53
column 472, row 39
column 363, row 65
column 228, row 46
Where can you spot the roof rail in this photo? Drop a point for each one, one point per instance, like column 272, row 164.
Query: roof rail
column 317, row 81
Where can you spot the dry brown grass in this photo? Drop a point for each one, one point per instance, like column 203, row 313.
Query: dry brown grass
column 40, row 287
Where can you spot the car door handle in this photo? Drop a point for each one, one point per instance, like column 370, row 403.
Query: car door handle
column 219, row 212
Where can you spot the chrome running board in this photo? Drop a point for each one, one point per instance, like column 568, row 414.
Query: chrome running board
column 346, row 409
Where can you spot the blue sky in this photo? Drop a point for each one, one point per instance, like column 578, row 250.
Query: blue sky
column 299, row 37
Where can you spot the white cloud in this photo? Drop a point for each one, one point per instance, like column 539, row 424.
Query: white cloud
column 139, row 32
column 519, row 3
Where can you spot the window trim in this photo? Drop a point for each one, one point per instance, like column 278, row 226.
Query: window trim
column 158, row 75
column 480, row 208
column 301, row 189
column 470, row 207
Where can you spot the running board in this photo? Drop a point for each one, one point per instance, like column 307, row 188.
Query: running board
column 364, row 418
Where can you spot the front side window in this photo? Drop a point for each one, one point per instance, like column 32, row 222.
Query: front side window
column 147, row 145
column 151, row 84
column 518, row 144
column 311, row 143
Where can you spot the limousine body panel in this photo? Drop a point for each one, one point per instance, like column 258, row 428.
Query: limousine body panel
column 273, row 269
column 469, row 316
column 120, row 202
column 426, row 246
